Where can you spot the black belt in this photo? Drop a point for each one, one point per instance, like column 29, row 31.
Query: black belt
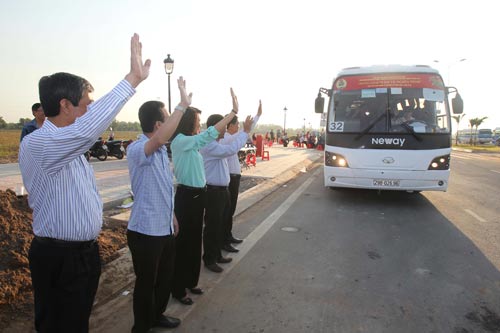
column 216, row 188
column 234, row 175
column 190, row 188
column 63, row 243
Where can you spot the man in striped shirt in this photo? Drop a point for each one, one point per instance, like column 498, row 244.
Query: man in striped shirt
column 67, row 210
column 152, row 226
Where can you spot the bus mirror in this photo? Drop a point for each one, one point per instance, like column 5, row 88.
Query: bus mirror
column 458, row 104
column 319, row 104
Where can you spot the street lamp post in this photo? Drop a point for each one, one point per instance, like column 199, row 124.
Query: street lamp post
column 169, row 68
column 304, row 125
column 284, row 120
column 449, row 69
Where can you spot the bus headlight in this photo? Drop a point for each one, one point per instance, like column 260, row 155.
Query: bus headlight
column 440, row 163
column 335, row 160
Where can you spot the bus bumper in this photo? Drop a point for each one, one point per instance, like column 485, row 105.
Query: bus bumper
column 394, row 180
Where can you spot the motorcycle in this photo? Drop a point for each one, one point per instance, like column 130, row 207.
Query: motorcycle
column 98, row 150
column 115, row 148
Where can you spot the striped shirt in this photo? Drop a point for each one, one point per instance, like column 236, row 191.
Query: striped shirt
column 153, row 187
column 188, row 163
column 60, row 182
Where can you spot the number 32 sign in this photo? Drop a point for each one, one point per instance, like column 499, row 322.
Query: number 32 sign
column 336, row 126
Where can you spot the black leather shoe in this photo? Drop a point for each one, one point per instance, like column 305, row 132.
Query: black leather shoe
column 196, row 291
column 235, row 240
column 229, row 248
column 167, row 322
column 185, row 300
column 224, row 260
column 214, row 268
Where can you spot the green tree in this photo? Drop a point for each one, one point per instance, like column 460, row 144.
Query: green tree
column 474, row 124
column 458, row 119
column 3, row 123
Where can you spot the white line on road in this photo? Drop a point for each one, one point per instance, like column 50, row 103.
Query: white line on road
column 264, row 227
column 210, row 280
column 474, row 215
column 495, row 171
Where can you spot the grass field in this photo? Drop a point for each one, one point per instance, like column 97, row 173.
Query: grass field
column 9, row 142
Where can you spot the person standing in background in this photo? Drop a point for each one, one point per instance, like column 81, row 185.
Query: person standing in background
column 234, row 183
column 36, row 123
column 67, row 209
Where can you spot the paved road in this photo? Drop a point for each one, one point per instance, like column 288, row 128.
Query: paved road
column 317, row 260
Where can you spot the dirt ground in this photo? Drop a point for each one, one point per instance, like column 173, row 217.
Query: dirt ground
column 16, row 233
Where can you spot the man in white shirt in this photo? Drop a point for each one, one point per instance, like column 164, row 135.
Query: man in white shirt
column 234, row 183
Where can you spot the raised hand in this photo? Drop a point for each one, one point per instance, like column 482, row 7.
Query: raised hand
column 235, row 101
column 259, row 111
column 139, row 71
column 185, row 98
column 247, row 124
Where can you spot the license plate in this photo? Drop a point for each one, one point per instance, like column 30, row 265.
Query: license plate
column 104, row 147
column 122, row 149
column 386, row 182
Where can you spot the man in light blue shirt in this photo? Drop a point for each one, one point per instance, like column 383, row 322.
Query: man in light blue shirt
column 217, row 174
column 67, row 210
column 152, row 225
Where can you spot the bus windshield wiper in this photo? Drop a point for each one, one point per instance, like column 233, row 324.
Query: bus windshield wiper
column 366, row 130
column 410, row 130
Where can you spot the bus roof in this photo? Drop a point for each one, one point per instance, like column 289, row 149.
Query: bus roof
column 377, row 69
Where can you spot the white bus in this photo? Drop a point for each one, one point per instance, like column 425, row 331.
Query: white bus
column 389, row 128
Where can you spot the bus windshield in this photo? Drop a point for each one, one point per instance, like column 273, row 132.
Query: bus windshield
column 389, row 103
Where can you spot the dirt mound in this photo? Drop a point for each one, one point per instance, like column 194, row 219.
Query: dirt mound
column 16, row 233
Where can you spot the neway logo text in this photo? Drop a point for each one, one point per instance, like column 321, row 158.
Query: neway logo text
column 388, row 141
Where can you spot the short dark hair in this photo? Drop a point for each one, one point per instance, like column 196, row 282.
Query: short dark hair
column 53, row 88
column 149, row 113
column 35, row 106
column 186, row 124
column 214, row 119
column 233, row 121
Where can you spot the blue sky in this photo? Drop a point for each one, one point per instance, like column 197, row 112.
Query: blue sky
column 278, row 51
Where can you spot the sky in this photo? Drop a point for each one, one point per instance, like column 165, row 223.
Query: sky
column 278, row 51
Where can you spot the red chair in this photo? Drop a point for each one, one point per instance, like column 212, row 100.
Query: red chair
column 320, row 147
column 265, row 155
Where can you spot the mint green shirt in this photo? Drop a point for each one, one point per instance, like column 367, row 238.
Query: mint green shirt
column 189, row 169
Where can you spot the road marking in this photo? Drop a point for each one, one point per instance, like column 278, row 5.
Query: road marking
column 474, row 215
column 265, row 225
column 495, row 171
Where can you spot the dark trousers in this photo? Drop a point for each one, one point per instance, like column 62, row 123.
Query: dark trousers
column 153, row 259
column 234, row 187
column 217, row 203
column 65, row 280
column 189, row 208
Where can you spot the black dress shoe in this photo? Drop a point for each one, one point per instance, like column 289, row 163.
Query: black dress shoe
column 229, row 248
column 235, row 240
column 196, row 291
column 224, row 260
column 167, row 322
column 214, row 268
column 185, row 300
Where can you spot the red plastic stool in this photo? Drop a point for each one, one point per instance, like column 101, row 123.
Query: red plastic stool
column 265, row 155
column 251, row 159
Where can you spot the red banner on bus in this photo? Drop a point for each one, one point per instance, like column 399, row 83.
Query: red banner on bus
column 389, row 80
